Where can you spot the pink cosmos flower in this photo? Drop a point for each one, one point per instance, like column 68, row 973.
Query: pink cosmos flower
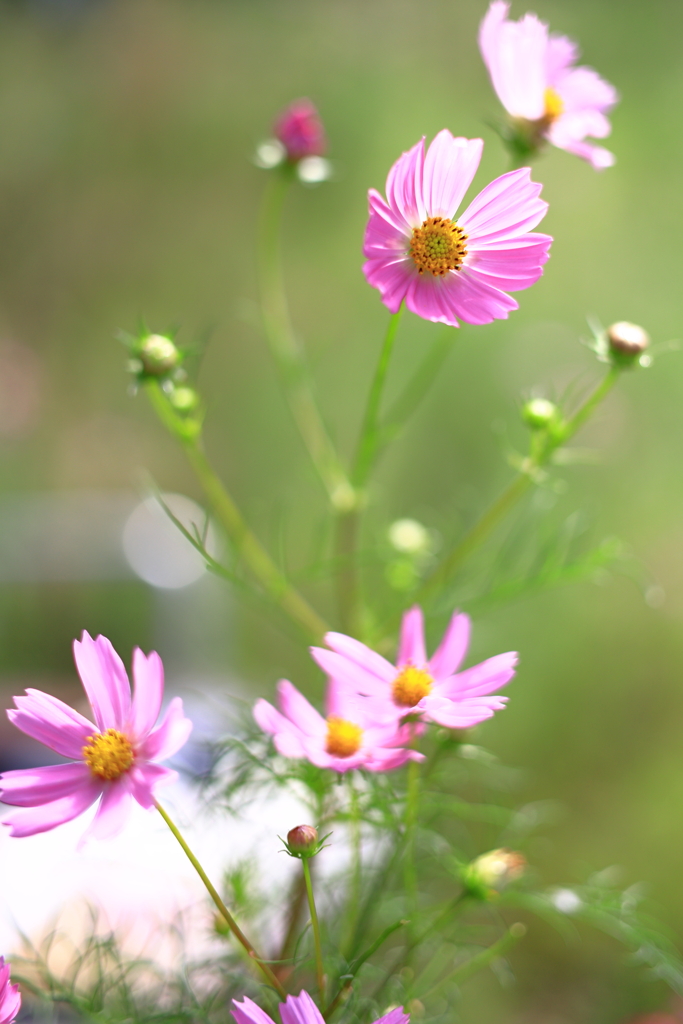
column 442, row 269
column 113, row 761
column 300, row 130
column 348, row 737
column 533, row 75
column 10, row 997
column 431, row 687
column 299, row 1010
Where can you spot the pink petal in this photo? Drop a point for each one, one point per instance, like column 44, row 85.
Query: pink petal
column 296, row 708
column 169, row 736
column 148, row 682
column 52, row 722
column 112, row 814
column 597, row 156
column 584, row 89
column 461, row 714
column 483, row 678
column 31, row 787
column 145, row 778
column 247, row 1012
column 449, row 167
column 404, row 186
column 507, row 206
column 300, row 1010
column 452, row 649
column 412, row 642
column 11, row 1004
column 387, row 760
column 28, row 821
column 349, row 673
column 561, row 52
column 104, row 680
column 429, row 297
column 396, row 1016
column 474, row 300
column 387, row 222
column 391, row 278
column 513, row 264
column 361, row 655
column 515, row 53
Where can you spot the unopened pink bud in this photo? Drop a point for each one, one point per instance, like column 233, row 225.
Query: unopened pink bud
column 302, row 838
column 300, row 130
column 627, row 339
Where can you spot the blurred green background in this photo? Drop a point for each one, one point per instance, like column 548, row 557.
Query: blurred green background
column 127, row 189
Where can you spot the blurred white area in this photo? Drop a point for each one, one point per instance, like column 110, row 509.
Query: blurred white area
column 156, row 549
column 141, row 881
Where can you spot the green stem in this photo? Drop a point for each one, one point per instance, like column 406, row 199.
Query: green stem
column 348, row 521
column 319, row 966
column 370, row 434
column 358, row 963
column 541, row 454
column 356, row 863
column 286, row 348
column 225, row 913
column 409, row 869
column 483, row 959
column 248, row 547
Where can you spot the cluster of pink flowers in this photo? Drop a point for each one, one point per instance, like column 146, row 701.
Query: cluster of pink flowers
column 374, row 710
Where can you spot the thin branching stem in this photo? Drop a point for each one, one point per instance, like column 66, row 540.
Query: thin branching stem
column 496, row 513
column 223, row 910
column 245, row 542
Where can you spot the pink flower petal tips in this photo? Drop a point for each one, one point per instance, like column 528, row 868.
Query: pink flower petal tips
column 10, row 996
column 299, row 1010
column 444, row 270
column 112, row 761
column 429, row 687
column 533, row 74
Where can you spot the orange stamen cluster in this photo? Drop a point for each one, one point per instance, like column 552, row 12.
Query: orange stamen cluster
column 343, row 738
column 438, row 246
column 554, row 106
column 108, row 754
column 410, row 686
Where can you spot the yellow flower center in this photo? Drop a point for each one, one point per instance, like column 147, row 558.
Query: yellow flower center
column 410, row 686
column 108, row 754
column 554, row 106
column 438, row 246
column 343, row 738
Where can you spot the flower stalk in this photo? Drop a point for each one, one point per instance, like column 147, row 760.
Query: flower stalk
column 223, row 910
column 247, row 545
column 319, row 966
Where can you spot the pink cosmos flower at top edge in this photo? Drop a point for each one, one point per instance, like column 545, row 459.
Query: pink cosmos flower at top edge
column 533, row 74
column 113, row 761
column 300, row 1010
column 300, row 130
column 10, row 996
column 443, row 269
column 431, row 687
column 350, row 736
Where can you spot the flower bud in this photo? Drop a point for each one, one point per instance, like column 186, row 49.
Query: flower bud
column 539, row 413
column 488, row 874
column 184, row 399
column 300, row 131
column 409, row 537
column 303, row 839
column 158, row 355
column 627, row 342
